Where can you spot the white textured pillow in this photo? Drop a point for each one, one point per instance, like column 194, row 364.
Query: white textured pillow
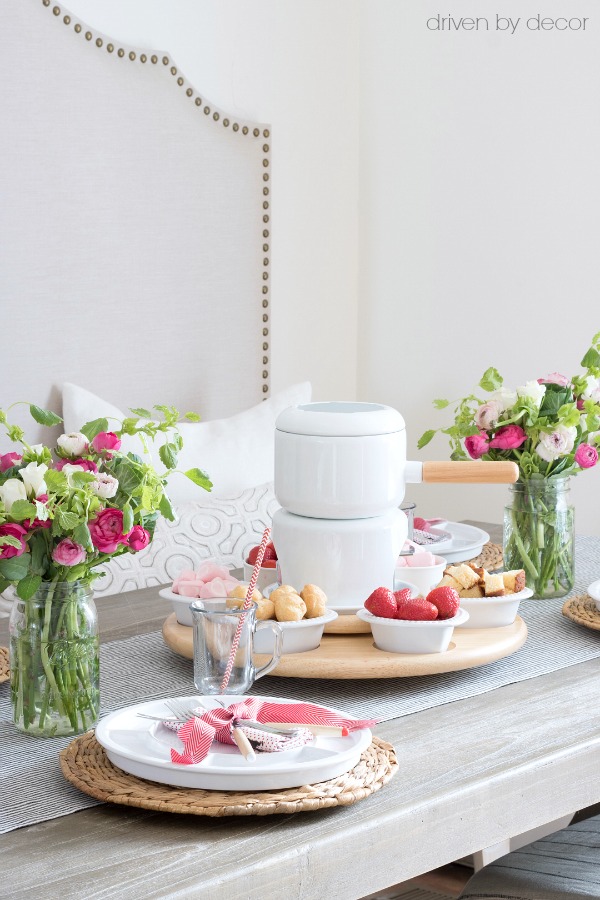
column 224, row 529
column 237, row 453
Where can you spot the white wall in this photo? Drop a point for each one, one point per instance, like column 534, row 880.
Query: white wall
column 293, row 64
column 480, row 191
column 475, row 160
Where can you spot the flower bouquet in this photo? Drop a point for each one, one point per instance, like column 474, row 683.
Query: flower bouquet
column 62, row 515
column 550, row 428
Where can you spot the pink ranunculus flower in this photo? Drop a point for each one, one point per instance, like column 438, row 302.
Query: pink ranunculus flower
column 11, row 529
column 476, row 445
column 88, row 465
column 106, row 442
column 586, row 456
column 487, row 415
column 8, row 460
column 106, row 530
column 138, row 538
column 68, row 553
column 509, row 437
column 555, row 378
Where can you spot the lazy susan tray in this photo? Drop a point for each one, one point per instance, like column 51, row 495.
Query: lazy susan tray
column 356, row 656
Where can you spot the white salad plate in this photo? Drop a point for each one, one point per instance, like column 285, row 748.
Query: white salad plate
column 594, row 592
column 142, row 748
column 466, row 542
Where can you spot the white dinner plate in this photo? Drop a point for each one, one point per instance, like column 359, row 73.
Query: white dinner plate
column 466, row 542
column 142, row 748
column 594, row 592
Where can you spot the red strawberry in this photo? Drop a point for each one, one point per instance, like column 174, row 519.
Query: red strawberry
column 416, row 609
column 419, row 523
column 446, row 600
column 269, row 555
column 252, row 555
column 271, row 547
column 269, row 564
column 402, row 596
column 382, row 603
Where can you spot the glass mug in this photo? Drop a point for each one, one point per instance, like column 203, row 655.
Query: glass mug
column 214, row 626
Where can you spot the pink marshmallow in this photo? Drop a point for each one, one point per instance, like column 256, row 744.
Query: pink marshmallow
column 189, row 588
column 401, row 562
column 230, row 584
column 209, row 570
column 187, row 575
column 421, row 559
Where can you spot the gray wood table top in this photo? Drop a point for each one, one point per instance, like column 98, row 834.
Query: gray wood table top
column 471, row 774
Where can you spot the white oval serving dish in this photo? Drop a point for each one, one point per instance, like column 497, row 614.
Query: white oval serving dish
column 180, row 604
column 298, row 637
column 493, row 612
column 407, row 636
column 137, row 746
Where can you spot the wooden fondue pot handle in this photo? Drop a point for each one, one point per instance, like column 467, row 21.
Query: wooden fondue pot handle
column 473, row 472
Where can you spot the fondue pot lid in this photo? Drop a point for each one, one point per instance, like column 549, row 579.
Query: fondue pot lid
column 340, row 418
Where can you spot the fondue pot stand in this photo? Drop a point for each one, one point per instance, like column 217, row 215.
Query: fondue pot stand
column 340, row 476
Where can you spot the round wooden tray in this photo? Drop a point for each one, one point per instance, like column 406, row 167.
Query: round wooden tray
column 356, row 656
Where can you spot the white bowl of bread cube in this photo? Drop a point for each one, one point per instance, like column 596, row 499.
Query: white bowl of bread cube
column 491, row 598
column 302, row 616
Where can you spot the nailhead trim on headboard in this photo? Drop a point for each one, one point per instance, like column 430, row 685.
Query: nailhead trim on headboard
column 217, row 116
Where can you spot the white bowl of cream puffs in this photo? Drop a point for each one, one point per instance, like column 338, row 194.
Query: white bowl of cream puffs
column 302, row 616
column 491, row 599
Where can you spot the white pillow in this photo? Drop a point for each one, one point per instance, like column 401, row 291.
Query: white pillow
column 237, row 453
column 214, row 528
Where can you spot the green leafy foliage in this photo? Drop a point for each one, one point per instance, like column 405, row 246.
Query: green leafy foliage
column 28, row 586
column 15, row 568
column 441, row 404
column 21, row 510
column 491, row 380
column 426, row 438
column 44, row 416
column 200, row 478
column 168, row 455
column 91, row 429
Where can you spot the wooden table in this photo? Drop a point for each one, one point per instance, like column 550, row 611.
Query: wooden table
column 472, row 774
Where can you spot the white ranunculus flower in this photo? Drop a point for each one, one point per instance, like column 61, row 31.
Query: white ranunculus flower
column 33, row 478
column 592, row 389
column 104, row 486
column 37, row 448
column 10, row 491
column 533, row 391
column 487, row 415
column 73, row 443
column 557, row 443
column 504, row 398
column 68, row 469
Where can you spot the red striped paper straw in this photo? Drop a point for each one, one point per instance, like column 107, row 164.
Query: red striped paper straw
column 247, row 602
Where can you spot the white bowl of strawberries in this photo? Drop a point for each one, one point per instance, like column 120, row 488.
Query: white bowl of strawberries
column 403, row 622
column 267, row 573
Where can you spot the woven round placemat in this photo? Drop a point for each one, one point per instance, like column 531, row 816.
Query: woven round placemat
column 490, row 557
column 4, row 670
column 85, row 764
column 583, row 610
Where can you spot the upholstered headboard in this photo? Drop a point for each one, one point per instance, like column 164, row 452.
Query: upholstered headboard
column 134, row 225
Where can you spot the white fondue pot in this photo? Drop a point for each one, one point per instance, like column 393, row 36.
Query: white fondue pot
column 340, row 476
column 343, row 460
